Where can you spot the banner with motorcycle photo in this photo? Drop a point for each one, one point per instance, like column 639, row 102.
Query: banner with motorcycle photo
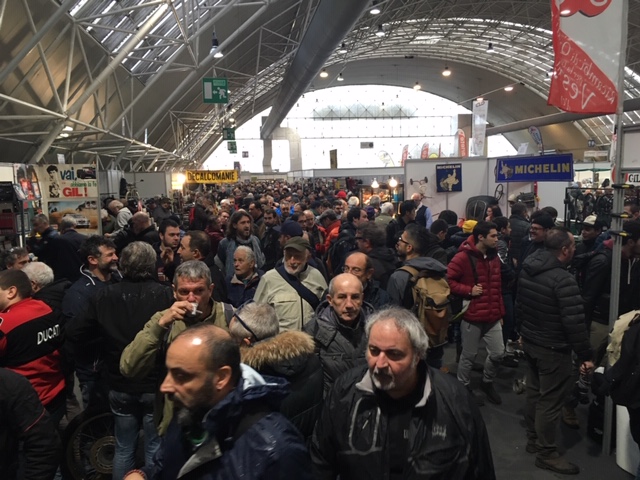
column 71, row 191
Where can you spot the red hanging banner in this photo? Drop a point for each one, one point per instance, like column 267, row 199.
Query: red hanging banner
column 587, row 44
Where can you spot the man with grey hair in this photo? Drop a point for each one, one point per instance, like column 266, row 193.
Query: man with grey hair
column 116, row 314
column 192, row 304
column 389, row 419
column 65, row 259
column 122, row 213
column 241, row 286
column 43, row 285
column 386, row 214
column 289, row 355
column 338, row 327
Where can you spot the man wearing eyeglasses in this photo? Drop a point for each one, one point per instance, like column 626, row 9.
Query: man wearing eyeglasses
column 192, row 290
column 338, row 327
column 360, row 265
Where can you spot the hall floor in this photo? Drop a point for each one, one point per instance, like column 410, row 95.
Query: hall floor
column 505, row 425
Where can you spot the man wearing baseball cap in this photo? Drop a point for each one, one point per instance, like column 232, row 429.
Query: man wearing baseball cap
column 294, row 288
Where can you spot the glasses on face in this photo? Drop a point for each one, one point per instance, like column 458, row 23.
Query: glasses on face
column 535, row 229
column 246, row 327
column 354, row 270
column 400, row 239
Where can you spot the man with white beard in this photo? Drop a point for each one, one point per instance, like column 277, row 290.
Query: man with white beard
column 294, row 288
column 396, row 418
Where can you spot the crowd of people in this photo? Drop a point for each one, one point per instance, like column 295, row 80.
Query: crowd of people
column 275, row 334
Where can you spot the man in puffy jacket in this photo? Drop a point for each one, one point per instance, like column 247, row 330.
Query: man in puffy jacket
column 396, row 418
column 474, row 274
column 550, row 319
column 338, row 327
column 289, row 355
column 226, row 424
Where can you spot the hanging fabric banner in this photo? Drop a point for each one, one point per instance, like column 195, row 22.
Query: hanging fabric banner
column 480, row 110
column 587, row 43
column 405, row 155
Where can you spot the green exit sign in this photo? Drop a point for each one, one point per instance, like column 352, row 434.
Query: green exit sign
column 233, row 147
column 215, row 90
column 229, row 133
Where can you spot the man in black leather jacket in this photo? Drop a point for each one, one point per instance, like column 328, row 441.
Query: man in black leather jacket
column 398, row 418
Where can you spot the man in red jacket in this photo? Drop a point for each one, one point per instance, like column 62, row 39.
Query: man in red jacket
column 30, row 341
column 474, row 273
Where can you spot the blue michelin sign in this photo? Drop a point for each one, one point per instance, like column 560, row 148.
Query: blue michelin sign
column 546, row 168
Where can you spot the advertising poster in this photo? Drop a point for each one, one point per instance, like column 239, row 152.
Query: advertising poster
column 449, row 178
column 71, row 190
column 548, row 168
column 26, row 180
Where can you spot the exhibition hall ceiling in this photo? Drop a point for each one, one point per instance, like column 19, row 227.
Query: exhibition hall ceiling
column 119, row 82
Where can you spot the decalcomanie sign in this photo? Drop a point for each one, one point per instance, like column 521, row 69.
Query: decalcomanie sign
column 211, row 176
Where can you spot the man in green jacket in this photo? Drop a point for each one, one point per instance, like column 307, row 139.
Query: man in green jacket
column 192, row 289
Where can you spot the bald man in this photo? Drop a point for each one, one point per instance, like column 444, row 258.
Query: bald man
column 423, row 213
column 338, row 327
column 360, row 265
column 222, row 412
column 142, row 230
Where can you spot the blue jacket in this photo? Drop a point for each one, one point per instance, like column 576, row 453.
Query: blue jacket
column 239, row 292
column 269, row 449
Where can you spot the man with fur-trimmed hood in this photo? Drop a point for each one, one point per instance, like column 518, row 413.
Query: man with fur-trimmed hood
column 289, row 355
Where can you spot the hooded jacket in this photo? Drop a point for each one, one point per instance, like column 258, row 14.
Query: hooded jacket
column 269, row 449
column 549, row 308
column 399, row 280
column 447, row 437
column 339, row 346
column 291, row 355
column 489, row 306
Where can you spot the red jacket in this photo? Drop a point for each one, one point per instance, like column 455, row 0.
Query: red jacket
column 488, row 307
column 30, row 342
column 333, row 231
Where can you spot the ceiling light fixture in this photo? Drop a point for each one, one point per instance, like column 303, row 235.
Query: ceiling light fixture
column 380, row 32
column 417, row 86
column 446, row 72
column 480, row 99
column 393, row 183
column 508, row 88
column 323, row 73
column 375, row 184
column 218, row 54
column 343, row 49
column 374, row 8
column 214, row 43
column 340, row 77
column 490, row 48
